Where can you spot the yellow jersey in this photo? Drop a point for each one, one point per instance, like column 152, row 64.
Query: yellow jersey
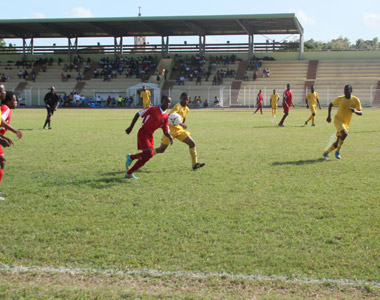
column 312, row 98
column 273, row 100
column 182, row 111
column 145, row 95
column 344, row 112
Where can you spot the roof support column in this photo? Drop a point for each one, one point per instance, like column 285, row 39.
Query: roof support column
column 202, row 44
column 118, row 47
column 301, row 46
column 164, row 45
column 251, row 45
column 69, row 48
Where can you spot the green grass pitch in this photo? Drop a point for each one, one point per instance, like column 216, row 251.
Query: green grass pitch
column 266, row 203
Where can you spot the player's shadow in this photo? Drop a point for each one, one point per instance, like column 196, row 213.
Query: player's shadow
column 299, row 162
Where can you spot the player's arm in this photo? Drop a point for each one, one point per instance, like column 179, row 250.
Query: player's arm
column 307, row 103
column 169, row 136
column 329, row 113
column 184, row 126
column 9, row 127
column 129, row 129
column 46, row 100
column 5, row 142
column 357, row 112
column 319, row 104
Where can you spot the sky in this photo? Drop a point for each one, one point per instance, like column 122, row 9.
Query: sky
column 322, row 20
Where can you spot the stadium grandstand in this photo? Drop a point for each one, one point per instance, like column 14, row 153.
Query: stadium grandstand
column 206, row 70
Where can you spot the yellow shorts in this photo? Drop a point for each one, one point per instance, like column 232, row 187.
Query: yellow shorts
column 179, row 134
column 313, row 109
column 340, row 125
column 274, row 106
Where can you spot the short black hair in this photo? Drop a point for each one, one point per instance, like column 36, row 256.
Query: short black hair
column 183, row 95
column 8, row 97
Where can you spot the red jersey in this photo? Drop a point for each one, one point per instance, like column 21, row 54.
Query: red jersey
column 260, row 98
column 287, row 96
column 154, row 118
column 5, row 117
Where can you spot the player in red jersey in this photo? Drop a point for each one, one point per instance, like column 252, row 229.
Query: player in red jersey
column 154, row 117
column 259, row 100
column 10, row 102
column 286, row 102
column 4, row 141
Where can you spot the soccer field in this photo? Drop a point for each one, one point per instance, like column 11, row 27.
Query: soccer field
column 266, row 217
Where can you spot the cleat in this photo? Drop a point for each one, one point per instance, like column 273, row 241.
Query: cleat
column 325, row 155
column 281, row 125
column 129, row 176
column 312, row 124
column 337, row 155
column 128, row 161
column 2, row 198
column 305, row 124
column 49, row 127
column 198, row 165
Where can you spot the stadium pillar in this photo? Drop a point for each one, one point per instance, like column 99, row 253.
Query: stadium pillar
column 301, row 46
column 202, row 44
column 250, row 45
column 164, row 45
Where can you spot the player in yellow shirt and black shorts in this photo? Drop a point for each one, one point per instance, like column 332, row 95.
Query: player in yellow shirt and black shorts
column 347, row 105
column 312, row 100
column 179, row 132
column 274, row 102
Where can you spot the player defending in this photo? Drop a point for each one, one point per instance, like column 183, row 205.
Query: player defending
column 312, row 100
column 145, row 95
column 347, row 105
column 274, row 102
column 8, row 103
column 259, row 102
column 179, row 132
column 51, row 101
column 286, row 102
column 154, row 117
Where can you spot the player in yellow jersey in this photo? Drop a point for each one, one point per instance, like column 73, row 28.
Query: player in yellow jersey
column 312, row 100
column 274, row 102
column 179, row 132
column 347, row 105
column 145, row 96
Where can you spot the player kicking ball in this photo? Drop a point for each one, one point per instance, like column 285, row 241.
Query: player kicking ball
column 179, row 132
column 154, row 117
column 347, row 105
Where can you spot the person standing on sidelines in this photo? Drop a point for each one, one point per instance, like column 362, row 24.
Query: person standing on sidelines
column 259, row 102
column 51, row 101
column 8, row 103
column 312, row 100
column 347, row 105
column 286, row 102
column 145, row 96
column 179, row 132
column 274, row 102
column 154, row 117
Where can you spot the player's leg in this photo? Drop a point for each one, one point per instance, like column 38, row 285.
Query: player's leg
column 340, row 142
column 286, row 113
column 47, row 117
column 257, row 109
column 193, row 153
column 261, row 109
column 2, row 164
column 164, row 144
column 142, row 158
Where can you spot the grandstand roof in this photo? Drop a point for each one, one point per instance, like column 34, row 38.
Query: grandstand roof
column 277, row 24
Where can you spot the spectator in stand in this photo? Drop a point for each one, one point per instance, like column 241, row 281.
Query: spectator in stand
column 216, row 101
column 199, row 79
column 246, row 76
column 20, row 74
column 33, row 76
column 181, row 80
column 79, row 77
column 205, row 104
column 109, row 100
column 254, row 75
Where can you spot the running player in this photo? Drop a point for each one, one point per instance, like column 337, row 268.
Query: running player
column 4, row 141
column 154, row 117
column 51, row 101
column 179, row 132
column 259, row 102
column 347, row 105
column 8, row 103
column 286, row 102
column 145, row 95
column 274, row 102
column 312, row 100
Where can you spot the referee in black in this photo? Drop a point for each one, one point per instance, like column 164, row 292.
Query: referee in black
column 51, row 101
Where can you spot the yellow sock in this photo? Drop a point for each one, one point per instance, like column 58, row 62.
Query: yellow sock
column 193, row 153
column 330, row 149
column 340, row 143
column 310, row 118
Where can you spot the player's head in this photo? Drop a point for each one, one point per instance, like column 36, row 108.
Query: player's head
column 10, row 100
column 2, row 92
column 288, row 86
column 144, row 88
column 52, row 89
column 347, row 91
column 312, row 88
column 184, row 99
column 274, row 91
column 259, row 91
column 165, row 102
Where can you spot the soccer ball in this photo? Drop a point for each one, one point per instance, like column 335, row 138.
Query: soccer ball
column 175, row 119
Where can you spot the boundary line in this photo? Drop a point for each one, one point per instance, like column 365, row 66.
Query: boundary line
column 184, row 274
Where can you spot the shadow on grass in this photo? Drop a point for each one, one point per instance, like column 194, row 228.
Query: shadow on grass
column 299, row 162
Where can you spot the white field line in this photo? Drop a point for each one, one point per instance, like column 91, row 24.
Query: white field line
column 184, row 274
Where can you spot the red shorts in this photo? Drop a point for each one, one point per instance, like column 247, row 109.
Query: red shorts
column 1, row 151
column 144, row 140
column 286, row 109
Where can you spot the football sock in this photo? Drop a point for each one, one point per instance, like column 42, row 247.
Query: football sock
column 194, row 156
column 310, row 118
column 1, row 174
column 340, row 143
column 331, row 148
column 142, row 157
